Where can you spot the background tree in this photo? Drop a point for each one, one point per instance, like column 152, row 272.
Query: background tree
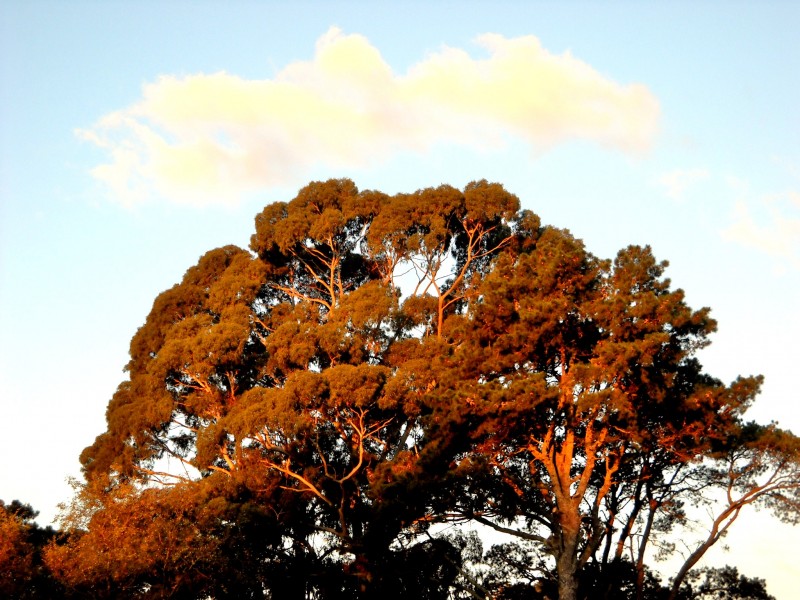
column 520, row 570
column 208, row 539
column 22, row 572
column 725, row 584
column 755, row 465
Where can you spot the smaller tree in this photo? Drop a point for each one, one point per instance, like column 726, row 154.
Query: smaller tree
column 22, row 572
column 754, row 465
column 179, row 541
column 724, row 583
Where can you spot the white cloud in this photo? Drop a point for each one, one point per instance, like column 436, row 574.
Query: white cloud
column 675, row 183
column 211, row 137
column 774, row 229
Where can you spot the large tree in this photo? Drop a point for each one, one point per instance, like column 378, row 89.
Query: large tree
column 375, row 364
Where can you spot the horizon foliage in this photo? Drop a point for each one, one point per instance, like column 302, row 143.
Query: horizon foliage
column 301, row 416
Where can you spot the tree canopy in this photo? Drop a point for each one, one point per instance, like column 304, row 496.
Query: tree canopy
column 303, row 417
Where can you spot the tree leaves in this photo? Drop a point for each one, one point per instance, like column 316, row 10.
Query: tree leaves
column 376, row 364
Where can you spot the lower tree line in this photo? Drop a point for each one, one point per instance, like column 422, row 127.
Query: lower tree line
column 163, row 551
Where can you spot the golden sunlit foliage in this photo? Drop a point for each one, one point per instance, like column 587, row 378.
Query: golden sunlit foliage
column 299, row 416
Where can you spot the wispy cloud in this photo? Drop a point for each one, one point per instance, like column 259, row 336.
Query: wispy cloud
column 771, row 225
column 675, row 183
column 211, row 137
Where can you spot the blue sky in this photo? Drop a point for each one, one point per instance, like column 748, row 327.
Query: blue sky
column 673, row 124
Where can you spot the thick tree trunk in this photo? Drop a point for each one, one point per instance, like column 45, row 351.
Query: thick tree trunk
column 567, row 577
column 567, row 561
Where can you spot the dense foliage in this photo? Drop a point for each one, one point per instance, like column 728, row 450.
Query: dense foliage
column 23, row 573
column 302, row 419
